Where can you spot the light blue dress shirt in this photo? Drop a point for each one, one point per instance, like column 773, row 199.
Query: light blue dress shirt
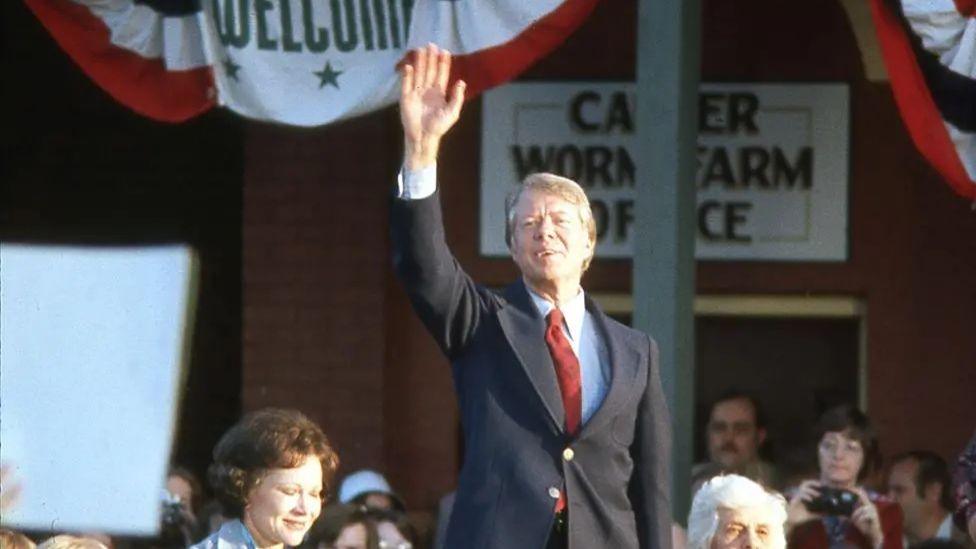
column 588, row 346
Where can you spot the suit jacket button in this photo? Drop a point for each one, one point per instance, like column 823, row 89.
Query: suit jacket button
column 554, row 492
column 569, row 454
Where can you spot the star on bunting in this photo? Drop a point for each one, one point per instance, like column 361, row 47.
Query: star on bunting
column 231, row 68
column 328, row 75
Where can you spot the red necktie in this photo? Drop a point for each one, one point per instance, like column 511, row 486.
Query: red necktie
column 568, row 376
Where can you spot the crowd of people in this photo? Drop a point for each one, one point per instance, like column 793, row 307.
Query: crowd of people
column 273, row 472
column 853, row 498
column 271, row 477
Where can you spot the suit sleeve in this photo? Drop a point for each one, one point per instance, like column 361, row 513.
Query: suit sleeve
column 650, row 486
column 445, row 298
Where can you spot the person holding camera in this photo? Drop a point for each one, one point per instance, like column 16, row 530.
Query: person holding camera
column 271, row 472
column 835, row 510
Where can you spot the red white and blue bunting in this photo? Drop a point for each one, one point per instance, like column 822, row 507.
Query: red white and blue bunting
column 929, row 47
column 298, row 62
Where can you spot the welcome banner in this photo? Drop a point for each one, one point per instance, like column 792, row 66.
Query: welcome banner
column 298, row 62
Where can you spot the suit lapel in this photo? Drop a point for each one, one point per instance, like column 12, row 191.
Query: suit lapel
column 525, row 332
column 624, row 365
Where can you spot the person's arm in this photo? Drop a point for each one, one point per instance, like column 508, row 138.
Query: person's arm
column 443, row 296
column 650, row 487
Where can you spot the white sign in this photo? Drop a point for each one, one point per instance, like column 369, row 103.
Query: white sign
column 772, row 164
column 92, row 341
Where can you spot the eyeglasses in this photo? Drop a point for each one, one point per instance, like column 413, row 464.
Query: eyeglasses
column 830, row 446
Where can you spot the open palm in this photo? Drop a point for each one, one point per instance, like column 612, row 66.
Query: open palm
column 426, row 111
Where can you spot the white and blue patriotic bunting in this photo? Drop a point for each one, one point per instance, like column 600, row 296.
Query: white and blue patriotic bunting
column 929, row 47
column 298, row 62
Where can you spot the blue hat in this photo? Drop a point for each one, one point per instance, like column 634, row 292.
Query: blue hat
column 365, row 482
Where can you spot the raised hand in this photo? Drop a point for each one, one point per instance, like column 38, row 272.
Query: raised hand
column 426, row 111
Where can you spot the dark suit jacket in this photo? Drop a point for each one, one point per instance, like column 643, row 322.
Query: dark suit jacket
column 617, row 478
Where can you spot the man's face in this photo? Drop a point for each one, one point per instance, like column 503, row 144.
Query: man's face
column 902, row 489
column 746, row 528
column 733, row 438
column 549, row 241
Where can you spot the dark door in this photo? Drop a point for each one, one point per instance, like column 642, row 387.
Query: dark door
column 796, row 366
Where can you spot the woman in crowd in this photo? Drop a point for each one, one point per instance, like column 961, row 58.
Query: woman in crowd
column 271, row 471
column 835, row 510
column 734, row 512
column 361, row 527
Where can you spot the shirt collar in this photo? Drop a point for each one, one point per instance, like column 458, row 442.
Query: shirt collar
column 233, row 534
column 573, row 311
column 945, row 529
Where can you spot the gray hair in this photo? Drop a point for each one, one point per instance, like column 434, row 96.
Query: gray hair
column 555, row 185
column 733, row 492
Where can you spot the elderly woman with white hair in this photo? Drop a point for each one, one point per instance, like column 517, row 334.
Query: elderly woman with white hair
column 733, row 512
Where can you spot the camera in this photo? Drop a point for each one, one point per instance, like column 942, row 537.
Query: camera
column 174, row 511
column 832, row 501
column 177, row 524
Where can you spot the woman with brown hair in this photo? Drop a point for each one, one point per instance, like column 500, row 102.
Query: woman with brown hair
column 271, row 472
column 835, row 510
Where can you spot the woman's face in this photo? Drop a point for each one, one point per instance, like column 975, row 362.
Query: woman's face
column 284, row 504
column 840, row 459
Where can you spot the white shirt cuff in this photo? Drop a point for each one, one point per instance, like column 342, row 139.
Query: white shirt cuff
column 415, row 185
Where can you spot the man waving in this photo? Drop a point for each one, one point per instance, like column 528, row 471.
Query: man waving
column 566, row 431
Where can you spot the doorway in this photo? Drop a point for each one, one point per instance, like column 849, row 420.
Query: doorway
column 799, row 355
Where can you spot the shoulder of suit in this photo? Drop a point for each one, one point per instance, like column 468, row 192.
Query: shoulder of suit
column 630, row 335
column 593, row 307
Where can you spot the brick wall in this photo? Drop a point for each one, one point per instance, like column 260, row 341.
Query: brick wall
column 315, row 259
